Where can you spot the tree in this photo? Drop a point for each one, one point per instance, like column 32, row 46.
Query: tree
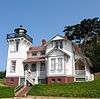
column 87, row 30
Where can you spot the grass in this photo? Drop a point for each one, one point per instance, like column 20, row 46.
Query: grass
column 77, row 89
column 5, row 91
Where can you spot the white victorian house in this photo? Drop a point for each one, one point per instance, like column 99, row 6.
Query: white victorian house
column 55, row 61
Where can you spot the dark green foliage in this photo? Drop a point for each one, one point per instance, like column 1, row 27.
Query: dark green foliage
column 89, row 31
column 78, row 89
column 6, row 92
column 2, row 74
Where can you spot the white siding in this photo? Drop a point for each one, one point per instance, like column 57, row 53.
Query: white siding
column 19, row 56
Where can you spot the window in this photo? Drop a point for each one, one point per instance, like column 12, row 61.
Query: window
column 34, row 53
column 42, row 52
column 13, row 66
column 61, row 44
column 56, row 44
column 53, row 64
column 17, row 44
column 33, row 67
column 12, row 47
column 59, row 64
column 42, row 67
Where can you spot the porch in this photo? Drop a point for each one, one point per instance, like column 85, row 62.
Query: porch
column 80, row 75
column 80, row 70
column 36, row 71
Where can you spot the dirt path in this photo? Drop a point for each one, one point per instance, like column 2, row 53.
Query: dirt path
column 46, row 97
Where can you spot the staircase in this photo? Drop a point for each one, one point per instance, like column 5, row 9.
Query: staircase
column 28, row 77
column 22, row 90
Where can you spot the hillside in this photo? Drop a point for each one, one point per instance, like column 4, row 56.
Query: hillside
column 77, row 89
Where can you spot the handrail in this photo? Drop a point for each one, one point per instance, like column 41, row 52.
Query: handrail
column 29, row 77
column 19, row 87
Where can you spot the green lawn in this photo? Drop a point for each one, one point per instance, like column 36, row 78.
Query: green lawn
column 78, row 89
column 6, row 92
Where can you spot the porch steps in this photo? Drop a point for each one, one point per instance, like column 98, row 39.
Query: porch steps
column 22, row 92
column 29, row 77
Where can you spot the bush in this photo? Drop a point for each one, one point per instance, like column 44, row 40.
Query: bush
column 2, row 74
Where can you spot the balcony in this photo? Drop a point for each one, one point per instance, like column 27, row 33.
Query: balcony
column 15, row 35
column 79, row 73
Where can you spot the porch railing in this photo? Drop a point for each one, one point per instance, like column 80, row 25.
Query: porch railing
column 28, row 76
column 80, row 73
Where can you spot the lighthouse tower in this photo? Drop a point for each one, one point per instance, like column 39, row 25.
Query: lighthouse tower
column 19, row 43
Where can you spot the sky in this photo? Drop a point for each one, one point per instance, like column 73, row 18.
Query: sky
column 41, row 18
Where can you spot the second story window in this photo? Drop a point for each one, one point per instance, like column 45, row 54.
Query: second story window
column 42, row 52
column 17, row 44
column 56, row 44
column 61, row 44
column 34, row 53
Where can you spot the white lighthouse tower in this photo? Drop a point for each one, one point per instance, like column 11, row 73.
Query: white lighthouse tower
column 18, row 45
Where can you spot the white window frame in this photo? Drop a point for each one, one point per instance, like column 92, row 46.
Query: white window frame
column 53, row 64
column 60, row 64
column 13, row 66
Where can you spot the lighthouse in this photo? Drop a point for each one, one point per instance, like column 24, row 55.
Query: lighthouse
column 19, row 43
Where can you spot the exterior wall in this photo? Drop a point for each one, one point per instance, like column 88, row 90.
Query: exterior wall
column 60, row 79
column 19, row 56
column 54, row 55
column 68, row 61
column 12, row 81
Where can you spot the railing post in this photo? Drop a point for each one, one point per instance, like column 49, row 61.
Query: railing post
column 25, row 77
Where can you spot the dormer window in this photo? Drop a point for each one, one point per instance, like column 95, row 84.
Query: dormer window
column 56, row 44
column 59, row 44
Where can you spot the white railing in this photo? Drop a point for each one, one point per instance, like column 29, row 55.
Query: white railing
column 80, row 73
column 17, row 88
column 28, row 76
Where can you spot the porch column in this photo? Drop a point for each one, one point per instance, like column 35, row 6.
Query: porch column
column 37, row 72
column 28, row 68
column 88, row 78
column 19, row 81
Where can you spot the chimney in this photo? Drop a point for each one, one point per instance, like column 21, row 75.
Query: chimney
column 43, row 42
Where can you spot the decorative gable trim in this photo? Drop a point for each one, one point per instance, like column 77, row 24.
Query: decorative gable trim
column 52, row 39
column 55, row 49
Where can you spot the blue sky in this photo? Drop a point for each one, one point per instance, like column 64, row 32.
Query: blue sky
column 42, row 18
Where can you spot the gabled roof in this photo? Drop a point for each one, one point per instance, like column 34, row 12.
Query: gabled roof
column 56, row 37
column 57, row 49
